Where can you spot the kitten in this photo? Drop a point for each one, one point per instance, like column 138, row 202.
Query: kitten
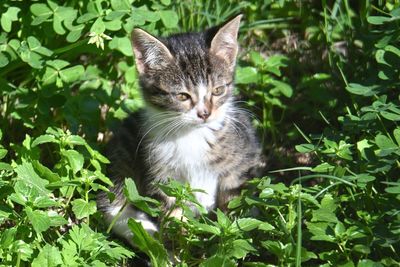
column 190, row 130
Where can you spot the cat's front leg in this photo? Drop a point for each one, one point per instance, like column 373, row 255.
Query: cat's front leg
column 229, row 187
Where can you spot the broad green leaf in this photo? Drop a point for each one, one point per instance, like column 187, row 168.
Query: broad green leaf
column 98, row 26
column 28, row 176
column 206, row 228
column 8, row 17
column 49, row 256
column 378, row 20
column 246, row 75
column 39, row 220
column 321, row 231
column 222, row 219
column 169, row 18
column 240, row 248
column 58, row 64
column 122, row 5
column 244, row 224
column 218, row 260
column 359, row 89
column 45, row 138
column 140, row 202
column 3, row 153
column 83, row 209
column 23, row 249
column 41, row 10
column 323, row 167
column 326, row 213
column 369, row 263
column 75, row 140
column 282, row 87
column 75, row 159
column 72, row 74
column 147, row 244
column 305, row 148
column 122, row 44
column 266, row 192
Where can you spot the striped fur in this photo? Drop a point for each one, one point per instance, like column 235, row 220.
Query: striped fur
column 169, row 138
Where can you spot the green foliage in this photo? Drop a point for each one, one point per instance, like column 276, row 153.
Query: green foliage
column 324, row 72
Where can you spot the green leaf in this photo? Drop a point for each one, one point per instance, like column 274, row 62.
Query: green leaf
column 359, row 89
column 23, row 249
column 240, row 248
column 46, row 138
column 75, row 140
column 266, row 192
column 122, row 44
column 83, row 209
column 49, row 256
column 28, row 176
column 140, row 202
column 245, row 75
column 218, row 260
column 369, row 263
column 206, row 228
column 326, row 213
column 378, row 20
column 169, row 18
column 244, row 224
column 72, row 74
column 98, row 26
column 41, row 10
column 39, row 220
column 323, row 167
column 392, row 49
column 75, row 159
column 305, row 148
column 386, row 145
column 8, row 17
column 283, row 87
column 147, row 244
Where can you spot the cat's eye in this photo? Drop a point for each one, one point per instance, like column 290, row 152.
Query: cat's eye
column 217, row 91
column 183, row 96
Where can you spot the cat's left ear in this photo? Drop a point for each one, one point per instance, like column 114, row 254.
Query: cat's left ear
column 225, row 44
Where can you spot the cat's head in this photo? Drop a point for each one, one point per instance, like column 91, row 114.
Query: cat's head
column 189, row 74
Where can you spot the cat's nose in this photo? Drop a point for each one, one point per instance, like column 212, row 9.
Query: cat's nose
column 203, row 114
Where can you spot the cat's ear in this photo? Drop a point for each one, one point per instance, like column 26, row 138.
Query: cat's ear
column 150, row 53
column 224, row 43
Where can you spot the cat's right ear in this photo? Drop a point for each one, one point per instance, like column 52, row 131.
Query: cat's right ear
column 150, row 53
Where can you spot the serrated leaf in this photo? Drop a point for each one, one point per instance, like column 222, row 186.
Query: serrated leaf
column 240, row 248
column 48, row 256
column 83, row 209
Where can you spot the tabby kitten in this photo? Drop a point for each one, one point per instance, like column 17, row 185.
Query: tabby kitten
column 190, row 130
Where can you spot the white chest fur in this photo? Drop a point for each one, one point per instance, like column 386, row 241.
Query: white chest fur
column 184, row 158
